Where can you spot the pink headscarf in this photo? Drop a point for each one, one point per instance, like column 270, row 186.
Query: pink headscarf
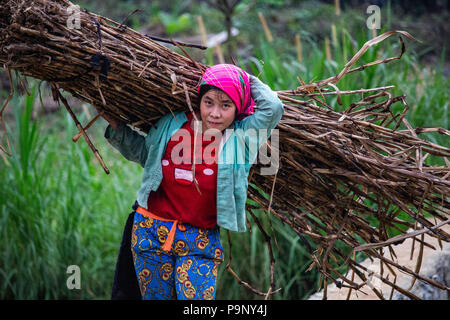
column 233, row 81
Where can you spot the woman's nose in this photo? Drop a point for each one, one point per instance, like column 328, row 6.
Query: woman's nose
column 215, row 112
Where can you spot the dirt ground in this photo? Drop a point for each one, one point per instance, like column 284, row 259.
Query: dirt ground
column 403, row 280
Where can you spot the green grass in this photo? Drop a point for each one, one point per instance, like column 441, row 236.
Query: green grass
column 59, row 208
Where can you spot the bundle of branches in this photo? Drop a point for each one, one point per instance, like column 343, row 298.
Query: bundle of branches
column 344, row 178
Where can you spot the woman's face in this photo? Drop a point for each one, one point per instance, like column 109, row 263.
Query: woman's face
column 217, row 110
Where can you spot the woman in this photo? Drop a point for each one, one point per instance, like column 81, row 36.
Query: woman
column 193, row 183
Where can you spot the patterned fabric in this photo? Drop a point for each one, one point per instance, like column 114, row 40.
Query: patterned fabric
column 188, row 271
column 233, row 81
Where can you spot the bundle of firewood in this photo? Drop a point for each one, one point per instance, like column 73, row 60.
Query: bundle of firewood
column 338, row 172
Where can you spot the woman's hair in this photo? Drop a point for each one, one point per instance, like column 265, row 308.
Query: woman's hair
column 204, row 89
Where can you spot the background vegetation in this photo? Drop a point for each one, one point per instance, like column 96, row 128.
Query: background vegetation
column 58, row 208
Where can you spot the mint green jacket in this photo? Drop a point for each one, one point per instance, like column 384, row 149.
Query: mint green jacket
column 236, row 156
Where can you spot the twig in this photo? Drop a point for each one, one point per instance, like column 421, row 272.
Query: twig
column 80, row 128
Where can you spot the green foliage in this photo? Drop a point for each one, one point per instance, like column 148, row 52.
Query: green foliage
column 57, row 209
column 176, row 23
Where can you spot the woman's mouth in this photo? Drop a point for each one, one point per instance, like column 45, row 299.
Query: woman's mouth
column 214, row 124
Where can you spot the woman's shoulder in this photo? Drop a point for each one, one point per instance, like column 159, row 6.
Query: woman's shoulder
column 169, row 117
column 164, row 126
column 168, row 122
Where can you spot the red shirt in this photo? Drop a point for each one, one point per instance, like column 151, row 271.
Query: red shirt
column 177, row 197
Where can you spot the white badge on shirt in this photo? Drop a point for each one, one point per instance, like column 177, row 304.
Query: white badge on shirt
column 184, row 174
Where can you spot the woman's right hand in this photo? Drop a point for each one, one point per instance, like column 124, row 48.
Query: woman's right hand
column 113, row 121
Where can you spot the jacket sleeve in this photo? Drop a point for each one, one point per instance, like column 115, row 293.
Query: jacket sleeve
column 128, row 142
column 268, row 107
column 258, row 127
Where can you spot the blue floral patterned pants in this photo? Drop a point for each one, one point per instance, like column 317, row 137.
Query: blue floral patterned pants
column 187, row 271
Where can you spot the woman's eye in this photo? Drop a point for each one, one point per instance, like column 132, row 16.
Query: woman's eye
column 226, row 106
